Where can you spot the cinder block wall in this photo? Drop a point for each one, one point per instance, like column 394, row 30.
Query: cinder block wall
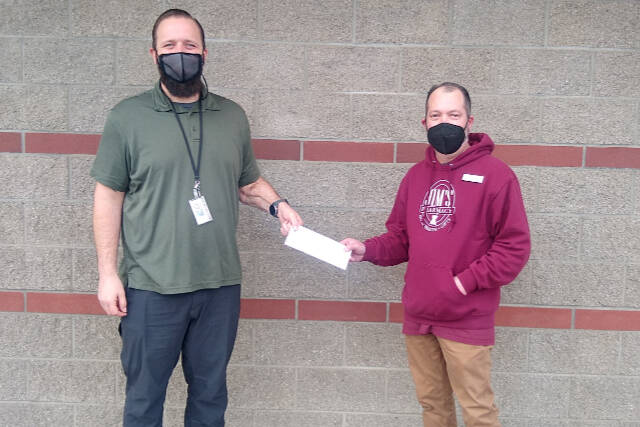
column 335, row 93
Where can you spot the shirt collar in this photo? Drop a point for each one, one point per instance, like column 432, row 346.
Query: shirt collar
column 161, row 101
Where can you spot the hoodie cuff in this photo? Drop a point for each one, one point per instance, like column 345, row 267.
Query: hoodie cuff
column 370, row 250
column 468, row 280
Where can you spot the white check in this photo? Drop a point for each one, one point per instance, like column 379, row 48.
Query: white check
column 318, row 246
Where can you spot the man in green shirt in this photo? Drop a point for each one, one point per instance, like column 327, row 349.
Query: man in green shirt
column 172, row 164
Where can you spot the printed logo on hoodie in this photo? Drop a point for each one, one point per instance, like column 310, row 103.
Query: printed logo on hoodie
column 438, row 205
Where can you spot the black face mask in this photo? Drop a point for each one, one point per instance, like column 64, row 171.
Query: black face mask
column 180, row 72
column 446, row 138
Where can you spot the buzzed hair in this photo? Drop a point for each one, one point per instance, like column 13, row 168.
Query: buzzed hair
column 450, row 87
column 170, row 13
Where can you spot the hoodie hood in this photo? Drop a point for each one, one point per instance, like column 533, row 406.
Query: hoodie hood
column 480, row 145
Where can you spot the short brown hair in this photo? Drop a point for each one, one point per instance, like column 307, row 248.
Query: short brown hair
column 169, row 14
column 450, row 87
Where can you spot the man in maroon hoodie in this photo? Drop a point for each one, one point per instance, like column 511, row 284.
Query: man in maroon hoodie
column 459, row 221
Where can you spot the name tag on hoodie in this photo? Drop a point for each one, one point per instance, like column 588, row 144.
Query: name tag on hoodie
column 473, row 178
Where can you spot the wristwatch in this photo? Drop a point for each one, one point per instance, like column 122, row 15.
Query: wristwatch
column 273, row 209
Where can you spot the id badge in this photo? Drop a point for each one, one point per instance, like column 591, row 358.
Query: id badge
column 200, row 210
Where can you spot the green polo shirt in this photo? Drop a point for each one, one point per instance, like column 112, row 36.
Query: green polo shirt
column 142, row 153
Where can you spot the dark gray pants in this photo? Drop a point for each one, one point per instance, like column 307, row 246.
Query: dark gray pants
column 202, row 326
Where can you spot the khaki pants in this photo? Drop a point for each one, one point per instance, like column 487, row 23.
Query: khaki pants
column 440, row 367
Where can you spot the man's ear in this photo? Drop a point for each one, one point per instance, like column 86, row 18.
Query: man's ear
column 424, row 122
column 154, row 55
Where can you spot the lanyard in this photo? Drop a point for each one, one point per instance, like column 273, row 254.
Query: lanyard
column 194, row 166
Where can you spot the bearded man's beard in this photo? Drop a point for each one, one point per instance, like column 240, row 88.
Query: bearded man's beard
column 181, row 90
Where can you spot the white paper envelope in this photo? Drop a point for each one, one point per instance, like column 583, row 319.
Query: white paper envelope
column 318, row 246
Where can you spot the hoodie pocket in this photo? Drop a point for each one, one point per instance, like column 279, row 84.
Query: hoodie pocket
column 431, row 293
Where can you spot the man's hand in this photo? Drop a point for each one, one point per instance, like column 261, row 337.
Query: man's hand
column 288, row 218
column 356, row 247
column 111, row 296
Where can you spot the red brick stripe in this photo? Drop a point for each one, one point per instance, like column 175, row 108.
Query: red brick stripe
column 613, row 157
column 11, row 301
column 267, row 309
column 272, row 149
column 396, row 312
column 63, row 303
column 342, row 311
column 607, row 320
column 529, row 317
column 61, row 143
column 539, row 155
column 410, row 152
column 10, row 142
column 338, row 151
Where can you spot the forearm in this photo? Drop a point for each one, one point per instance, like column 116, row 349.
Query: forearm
column 107, row 216
column 259, row 194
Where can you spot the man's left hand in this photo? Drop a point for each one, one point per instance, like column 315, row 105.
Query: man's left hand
column 288, row 217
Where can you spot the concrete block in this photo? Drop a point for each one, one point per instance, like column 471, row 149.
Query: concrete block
column 11, row 223
column 223, row 19
column 306, row 20
column 373, row 345
column 297, row 419
column 13, row 380
column 89, row 105
column 243, row 97
column 402, row 21
column 630, row 362
column 39, row 335
column 85, row 270
column 528, row 178
column 632, row 286
column 598, row 423
column 11, row 109
column 41, row 18
column 11, row 59
column 96, row 337
column 378, row 420
column 555, row 237
column 591, row 23
column 353, row 69
column 98, row 416
column 13, row 271
column 173, row 416
column 257, row 230
column 59, row 223
column 134, row 63
column 45, row 108
column 285, row 114
column 96, row 64
column 261, row 387
column 48, row 268
column 511, row 350
column 600, row 397
column 42, row 177
column 534, row 396
column 507, row 119
column 570, row 121
column 234, row 418
column 520, row 290
column 580, row 284
column 543, row 72
column 498, row 22
column 299, row 343
column 605, row 240
column 243, row 350
column 177, row 388
column 374, row 186
column 361, row 390
column 339, row 224
column 401, row 392
column 574, row 352
column 257, row 65
column 592, row 191
column 394, row 118
column 371, row 282
column 290, row 274
column 117, row 18
column 82, row 184
column 20, row 414
column 71, row 381
column 473, row 68
column 617, row 74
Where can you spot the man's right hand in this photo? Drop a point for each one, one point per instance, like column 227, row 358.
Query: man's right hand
column 111, row 296
column 356, row 247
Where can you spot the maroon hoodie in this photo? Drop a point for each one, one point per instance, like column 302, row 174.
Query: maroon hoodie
column 465, row 218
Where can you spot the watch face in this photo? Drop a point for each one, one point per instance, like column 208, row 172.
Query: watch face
column 272, row 210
